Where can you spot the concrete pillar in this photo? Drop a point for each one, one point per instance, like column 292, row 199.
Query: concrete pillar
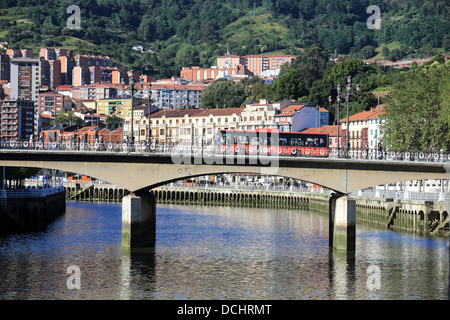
column 139, row 220
column 342, row 231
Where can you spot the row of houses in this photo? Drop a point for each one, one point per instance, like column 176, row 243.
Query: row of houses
column 199, row 127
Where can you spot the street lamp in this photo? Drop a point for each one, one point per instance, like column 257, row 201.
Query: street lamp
column 131, row 81
column 337, row 106
column 346, row 95
column 149, row 110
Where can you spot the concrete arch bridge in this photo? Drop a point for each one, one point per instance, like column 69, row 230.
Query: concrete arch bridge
column 141, row 172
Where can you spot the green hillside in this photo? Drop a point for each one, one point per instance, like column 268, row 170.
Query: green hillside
column 194, row 32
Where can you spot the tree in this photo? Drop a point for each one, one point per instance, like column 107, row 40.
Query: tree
column 67, row 118
column 287, row 86
column 385, row 51
column 224, row 94
column 16, row 173
column 113, row 122
column 364, row 75
column 367, row 52
column 418, row 110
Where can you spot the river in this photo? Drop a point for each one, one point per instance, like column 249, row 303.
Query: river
column 218, row 253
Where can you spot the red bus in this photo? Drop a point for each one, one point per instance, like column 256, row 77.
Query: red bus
column 273, row 141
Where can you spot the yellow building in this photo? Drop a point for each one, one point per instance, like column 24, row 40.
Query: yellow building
column 118, row 107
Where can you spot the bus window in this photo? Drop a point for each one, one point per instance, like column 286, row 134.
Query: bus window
column 242, row 139
column 254, row 141
column 263, row 141
column 283, row 142
column 222, row 139
column 322, row 142
column 296, row 142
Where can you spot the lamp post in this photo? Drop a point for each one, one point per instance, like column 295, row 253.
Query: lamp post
column 131, row 81
column 346, row 95
column 337, row 106
column 149, row 110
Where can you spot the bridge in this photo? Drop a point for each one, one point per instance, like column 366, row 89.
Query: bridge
column 139, row 172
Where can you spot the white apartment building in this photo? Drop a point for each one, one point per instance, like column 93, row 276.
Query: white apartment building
column 177, row 96
column 364, row 128
column 259, row 115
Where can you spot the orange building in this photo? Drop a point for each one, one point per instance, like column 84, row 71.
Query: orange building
column 200, row 74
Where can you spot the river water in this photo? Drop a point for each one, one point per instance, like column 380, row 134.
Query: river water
column 218, row 253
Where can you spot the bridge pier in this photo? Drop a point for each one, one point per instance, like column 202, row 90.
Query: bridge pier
column 139, row 220
column 342, row 223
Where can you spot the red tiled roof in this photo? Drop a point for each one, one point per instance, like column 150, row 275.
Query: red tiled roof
column 285, row 114
column 331, row 130
column 371, row 114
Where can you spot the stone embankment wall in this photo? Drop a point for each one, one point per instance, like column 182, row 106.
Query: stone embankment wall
column 33, row 214
column 95, row 193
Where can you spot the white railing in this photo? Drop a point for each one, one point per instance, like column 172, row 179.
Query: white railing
column 402, row 195
column 368, row 193
column 29, row 193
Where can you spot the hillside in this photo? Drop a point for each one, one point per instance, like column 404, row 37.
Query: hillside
column 195, row 32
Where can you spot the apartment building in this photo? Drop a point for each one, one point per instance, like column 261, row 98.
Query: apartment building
column 297, row 116
column 81, row 76
column 24, row 79
column 92, row 61
column 260, row 114
column 208, row 121
column 256, row 64
column 193, row 127
column 14, row 53
column 67, row 65
column 118, row 107
column 197, row 74
column 140, row 122
column 230, row 61
column 177, row 96
column 364, row 129
column 94, row 92
column 95, row 74
column 261, row 63
column 5, row 67
column 17, row 120
column 166, row 126
column 53, row 103
column 49, row 73
column 52, row 53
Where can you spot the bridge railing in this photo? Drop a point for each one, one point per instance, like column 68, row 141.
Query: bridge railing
column 30, row 193
column 212, row 150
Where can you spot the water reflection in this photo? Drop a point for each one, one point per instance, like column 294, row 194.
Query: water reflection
column 218, row 253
